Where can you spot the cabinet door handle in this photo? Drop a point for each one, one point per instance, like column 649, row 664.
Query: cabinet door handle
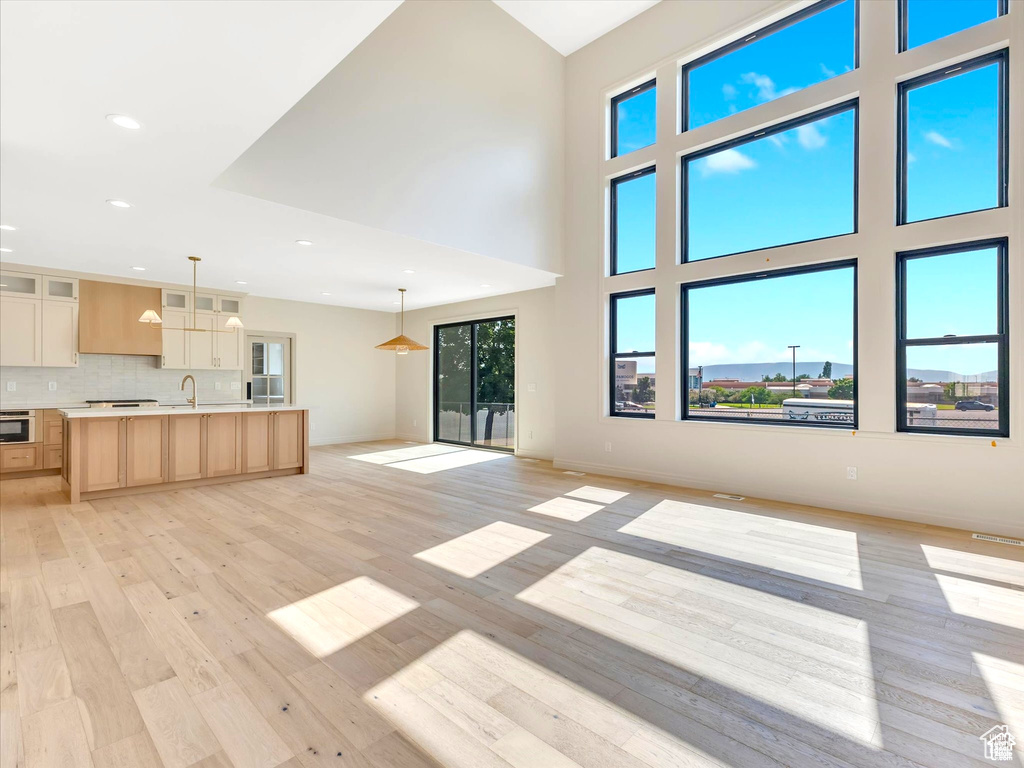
column 131, row 418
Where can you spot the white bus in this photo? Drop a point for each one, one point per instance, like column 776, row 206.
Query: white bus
column 841, row 411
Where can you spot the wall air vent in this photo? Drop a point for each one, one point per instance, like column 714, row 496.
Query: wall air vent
column 998, row 539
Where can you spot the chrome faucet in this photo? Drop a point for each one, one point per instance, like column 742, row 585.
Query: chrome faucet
column 195, row 397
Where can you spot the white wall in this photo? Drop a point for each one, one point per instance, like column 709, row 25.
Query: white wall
column 959, row 481
column 445, row 124
column 349, row 385
column 535, row 365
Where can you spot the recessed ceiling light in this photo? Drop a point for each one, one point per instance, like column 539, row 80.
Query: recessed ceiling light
column 241, row 282
column 303, row 242
column 139, row 269
column 325, row 293
column 396, row 302
column 485, row 285
column 125, row 122
column 409, row 271
column 7, row 227
column 6, row 250
column 119, row 203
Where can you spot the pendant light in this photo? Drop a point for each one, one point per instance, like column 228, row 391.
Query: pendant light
column 402, row 343
column 231, row 325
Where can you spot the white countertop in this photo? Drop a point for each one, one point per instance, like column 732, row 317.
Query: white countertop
column 100, row 413
column 67, row 404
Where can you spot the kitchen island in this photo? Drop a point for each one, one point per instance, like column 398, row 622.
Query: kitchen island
column 112, row 452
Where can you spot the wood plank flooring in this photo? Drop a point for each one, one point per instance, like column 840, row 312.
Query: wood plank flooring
column 407, row 606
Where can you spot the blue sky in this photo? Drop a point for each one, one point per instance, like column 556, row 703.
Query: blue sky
column 798, row 185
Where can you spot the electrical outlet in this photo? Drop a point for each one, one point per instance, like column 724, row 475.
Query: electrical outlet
column 53, row 386
column 217, row 385
column 415, row 422
column 851, row 473
column 607, row 447
column 236, row 385
column 531, row 434
column 531, row 387
column 12, row 386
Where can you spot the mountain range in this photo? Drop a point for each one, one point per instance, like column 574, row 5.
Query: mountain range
column 756, row 371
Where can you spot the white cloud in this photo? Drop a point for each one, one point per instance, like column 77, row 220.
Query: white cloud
column 810, row 137
column 729, row 91
column 911, row 157
column 726, row 161
column 766, row 88
column 713, row 353
column 778, row 139
column 937, row 138
column 827, row 72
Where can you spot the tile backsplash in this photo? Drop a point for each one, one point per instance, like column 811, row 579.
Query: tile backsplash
column 117, row 377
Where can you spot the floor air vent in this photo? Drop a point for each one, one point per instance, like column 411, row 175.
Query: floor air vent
column 998, row 539
column 729, row 496
column 576, row 474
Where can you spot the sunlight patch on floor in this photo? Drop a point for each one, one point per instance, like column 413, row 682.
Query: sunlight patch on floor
column 999, row 605
column 675, row 616
column 567, row 509
column 1004, row 681
column 330, row 620
column 600, row 495
column 787, row 547
column 427, row 459
column 973, row 564
column 473, row 553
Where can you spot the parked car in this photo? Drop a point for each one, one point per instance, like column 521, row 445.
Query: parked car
column 974, row 405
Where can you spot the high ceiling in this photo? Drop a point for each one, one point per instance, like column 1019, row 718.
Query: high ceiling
column 207, row 80
column 568, row 25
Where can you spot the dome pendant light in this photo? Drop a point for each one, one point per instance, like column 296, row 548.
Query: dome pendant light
column 402, row 343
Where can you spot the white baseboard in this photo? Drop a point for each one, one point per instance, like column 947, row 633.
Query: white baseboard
column 964, row 523
column 352, row 439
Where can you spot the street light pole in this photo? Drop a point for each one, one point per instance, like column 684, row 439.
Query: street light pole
column 794, row 347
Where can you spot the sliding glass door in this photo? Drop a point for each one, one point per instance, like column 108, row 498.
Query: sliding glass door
column 474, row 387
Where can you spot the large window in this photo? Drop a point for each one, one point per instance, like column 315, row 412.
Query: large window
column 474, row 390
column 634, row 118
column 953, row 140
column 778, row 347
column 803, row 49
column 794, row 182
column 922, row 21
column 952, row 346
column 632, row 222
column 632, row 375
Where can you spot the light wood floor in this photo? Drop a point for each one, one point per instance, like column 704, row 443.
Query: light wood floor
column 410, row 608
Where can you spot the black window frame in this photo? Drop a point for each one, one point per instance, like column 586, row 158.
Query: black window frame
column 903, row 24
column 1001, row 337
column 613, row 226
column 1000, row 57
column 786, row 125
column 625, row 96
column 725, row 50
column 684, row 352
column 472, row 383
column 615, row 355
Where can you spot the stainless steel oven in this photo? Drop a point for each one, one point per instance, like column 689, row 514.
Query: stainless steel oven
column 17, row 426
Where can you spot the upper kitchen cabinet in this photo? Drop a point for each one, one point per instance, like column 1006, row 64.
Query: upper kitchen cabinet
column 38, row 320
column 21, row 285
column 60, row 288
column 60, row 334
column 21, row 331
column 109, row 319
column 206, row 303
column 170, row 299
column 175, row 339
column 229, row 305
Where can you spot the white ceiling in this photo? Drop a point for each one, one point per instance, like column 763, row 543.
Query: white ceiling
column 568, row 25
column 206, row 80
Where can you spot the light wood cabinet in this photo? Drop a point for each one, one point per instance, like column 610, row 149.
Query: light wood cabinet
column 146, row 450
column 223, row 444
column 21, row 331
column 108, row 320
column 186, row 448
column 21, row 458
column 53, row 456
column 60, row 333
column 288, row 439
column 53, row 432
column 103, row 453
column 175, row 339
column 257, row 441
